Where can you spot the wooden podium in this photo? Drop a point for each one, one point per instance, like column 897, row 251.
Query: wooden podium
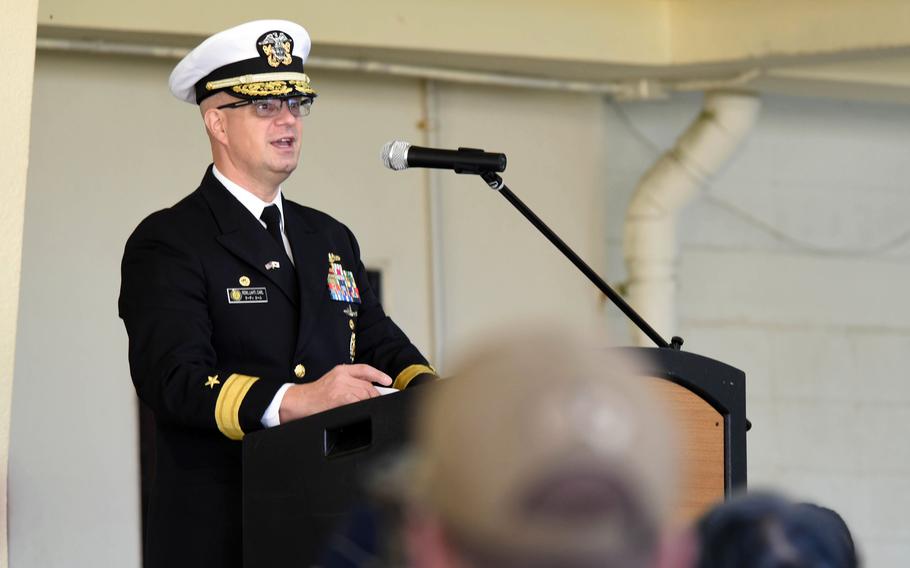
column 706, row 400
column 301, row 478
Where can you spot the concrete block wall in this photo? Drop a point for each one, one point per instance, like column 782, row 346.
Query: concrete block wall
column 794, row 267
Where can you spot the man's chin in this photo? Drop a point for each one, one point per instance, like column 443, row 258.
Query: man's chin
column 286, row 168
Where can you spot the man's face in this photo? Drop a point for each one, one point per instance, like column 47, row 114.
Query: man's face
column 265, row 149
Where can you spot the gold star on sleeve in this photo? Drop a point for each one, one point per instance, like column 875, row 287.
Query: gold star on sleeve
column 212, row 381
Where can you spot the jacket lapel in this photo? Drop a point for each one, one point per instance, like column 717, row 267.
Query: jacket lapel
column 310, row 249
column 244, row 236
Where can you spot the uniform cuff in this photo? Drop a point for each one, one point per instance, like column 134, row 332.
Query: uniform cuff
column 410, row 373
column 422, row 379
column 241, row 403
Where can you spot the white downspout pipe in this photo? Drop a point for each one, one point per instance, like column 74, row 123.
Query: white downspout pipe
column 650, row 242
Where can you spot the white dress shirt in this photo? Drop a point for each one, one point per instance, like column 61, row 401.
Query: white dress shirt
column 255, row 206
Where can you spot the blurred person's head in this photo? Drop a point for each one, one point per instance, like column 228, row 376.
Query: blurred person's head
column 544, row 450
column 764, row 530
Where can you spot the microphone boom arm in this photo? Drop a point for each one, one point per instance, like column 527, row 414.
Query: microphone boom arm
column 494, row 180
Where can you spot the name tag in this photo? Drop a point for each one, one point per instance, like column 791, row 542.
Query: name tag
column 247, row 295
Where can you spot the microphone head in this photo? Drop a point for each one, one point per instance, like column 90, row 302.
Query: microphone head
column 395, row 155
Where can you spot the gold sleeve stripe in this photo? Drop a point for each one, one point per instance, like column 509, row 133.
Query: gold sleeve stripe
column 227, row 407
column 404, row 377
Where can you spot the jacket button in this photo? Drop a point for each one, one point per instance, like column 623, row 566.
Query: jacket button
column 299, row 371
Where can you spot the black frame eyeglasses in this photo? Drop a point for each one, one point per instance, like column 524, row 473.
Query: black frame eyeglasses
column 270, row 108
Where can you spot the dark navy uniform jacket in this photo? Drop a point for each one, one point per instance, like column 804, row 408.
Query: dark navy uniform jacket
column 213, row 334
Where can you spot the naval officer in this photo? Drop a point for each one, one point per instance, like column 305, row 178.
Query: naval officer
column 244, row 309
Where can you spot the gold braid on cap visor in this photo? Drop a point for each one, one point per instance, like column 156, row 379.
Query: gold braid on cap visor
column 265, row 84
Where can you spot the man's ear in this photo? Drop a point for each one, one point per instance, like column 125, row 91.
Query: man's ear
column 215, row 125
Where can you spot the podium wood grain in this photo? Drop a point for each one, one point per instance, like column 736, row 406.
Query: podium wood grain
column 699, row 429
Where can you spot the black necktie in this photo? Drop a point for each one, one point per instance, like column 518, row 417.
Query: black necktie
column 272, row 217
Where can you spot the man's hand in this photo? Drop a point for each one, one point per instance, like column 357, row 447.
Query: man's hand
column 342, row 385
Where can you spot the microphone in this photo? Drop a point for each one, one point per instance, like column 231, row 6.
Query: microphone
column 398, row 155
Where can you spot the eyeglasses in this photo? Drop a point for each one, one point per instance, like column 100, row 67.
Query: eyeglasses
column 270, row 108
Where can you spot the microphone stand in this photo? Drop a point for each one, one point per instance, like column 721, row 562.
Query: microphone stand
column 495, row 182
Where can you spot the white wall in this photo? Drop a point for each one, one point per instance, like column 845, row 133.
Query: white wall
column 498, row 267
column 794, row 268
column 774, row 273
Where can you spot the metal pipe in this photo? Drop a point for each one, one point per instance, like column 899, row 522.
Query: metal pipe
column 435, row 227
column 635, row 89
column 650, row 242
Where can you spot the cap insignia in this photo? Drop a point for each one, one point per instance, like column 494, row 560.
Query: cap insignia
column 276, row 46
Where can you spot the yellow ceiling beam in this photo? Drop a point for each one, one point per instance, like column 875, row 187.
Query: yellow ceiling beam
column 584, row 39
column 705, row 31
column 617, row 31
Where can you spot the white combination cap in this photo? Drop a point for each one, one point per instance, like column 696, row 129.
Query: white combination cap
column 259, row 59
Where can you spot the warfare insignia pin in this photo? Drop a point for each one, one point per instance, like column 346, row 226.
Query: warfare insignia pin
column 272, row 265
column 276, row 46
column 351, row 313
